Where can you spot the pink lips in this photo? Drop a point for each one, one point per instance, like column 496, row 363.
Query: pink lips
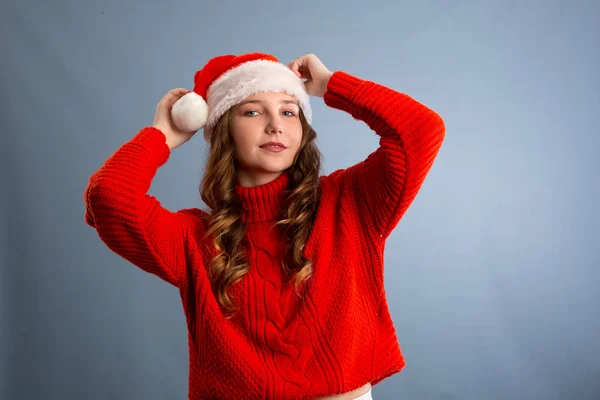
column 275, row 147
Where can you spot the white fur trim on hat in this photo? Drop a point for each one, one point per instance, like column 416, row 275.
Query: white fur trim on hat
column 190, row 112
column 250, row 78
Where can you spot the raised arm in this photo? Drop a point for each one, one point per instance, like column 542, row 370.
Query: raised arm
column 132, row 223
column 387, row 181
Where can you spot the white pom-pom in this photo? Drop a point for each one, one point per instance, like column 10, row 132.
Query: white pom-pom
column 190, row 112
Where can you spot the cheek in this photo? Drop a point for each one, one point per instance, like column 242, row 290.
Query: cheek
column 296, row 137
column 239, row 135
column 242, row 147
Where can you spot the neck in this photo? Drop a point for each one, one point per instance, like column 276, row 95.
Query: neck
column 248, row 179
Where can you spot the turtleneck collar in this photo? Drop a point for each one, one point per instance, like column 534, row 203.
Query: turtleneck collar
column 264, row 202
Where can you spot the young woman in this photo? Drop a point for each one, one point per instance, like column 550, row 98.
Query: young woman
column 281, row 281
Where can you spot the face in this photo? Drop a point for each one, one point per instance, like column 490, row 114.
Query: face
column 259, row 119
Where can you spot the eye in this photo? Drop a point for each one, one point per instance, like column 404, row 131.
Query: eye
column 250, row 111
column 291, row 113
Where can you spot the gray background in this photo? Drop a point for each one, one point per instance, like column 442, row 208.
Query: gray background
column 492, row 275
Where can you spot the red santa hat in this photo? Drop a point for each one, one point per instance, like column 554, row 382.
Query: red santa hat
column 226, row 81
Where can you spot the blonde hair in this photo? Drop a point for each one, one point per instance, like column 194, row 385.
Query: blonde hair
column 224, row 220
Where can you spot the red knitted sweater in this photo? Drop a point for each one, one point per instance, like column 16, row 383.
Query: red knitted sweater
column 279, row 346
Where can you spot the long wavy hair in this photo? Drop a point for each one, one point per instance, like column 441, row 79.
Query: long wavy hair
column 225, row 225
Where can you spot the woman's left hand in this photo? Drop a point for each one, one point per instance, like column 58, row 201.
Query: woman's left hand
column 309, row 67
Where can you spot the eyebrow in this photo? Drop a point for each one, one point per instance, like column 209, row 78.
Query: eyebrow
column 260, row 102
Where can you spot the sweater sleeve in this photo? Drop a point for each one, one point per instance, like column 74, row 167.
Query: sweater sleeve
column 130, row 222
column 384, row 184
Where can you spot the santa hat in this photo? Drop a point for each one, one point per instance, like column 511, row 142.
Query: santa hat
column 226, row 81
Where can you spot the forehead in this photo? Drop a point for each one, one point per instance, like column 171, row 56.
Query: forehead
column 274, row 97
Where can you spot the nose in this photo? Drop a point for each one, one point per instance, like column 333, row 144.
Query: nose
column 275, row 125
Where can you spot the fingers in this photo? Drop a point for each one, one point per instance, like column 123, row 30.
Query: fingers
column 301, row 67
column 173, row 95
column 304, row 66
column 177, row 93
column 295, row 67
column 180, row 91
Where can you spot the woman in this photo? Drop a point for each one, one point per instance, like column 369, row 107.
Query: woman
column 281, row 281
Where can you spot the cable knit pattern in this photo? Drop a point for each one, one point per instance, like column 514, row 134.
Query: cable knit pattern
column 340, row 335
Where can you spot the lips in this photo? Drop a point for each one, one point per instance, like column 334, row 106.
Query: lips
column 273, row 144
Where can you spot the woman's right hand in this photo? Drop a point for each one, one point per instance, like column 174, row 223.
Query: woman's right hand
column 164, row 122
